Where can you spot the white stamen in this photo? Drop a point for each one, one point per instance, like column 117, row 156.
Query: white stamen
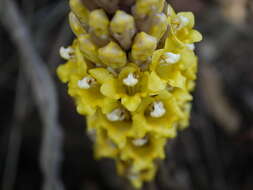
column 65, row 53
column 171, row 58
column 140, row 142
column 190, row 46
column 86, row 82
column 116, row 115
column 158, row 110
column 130, row 80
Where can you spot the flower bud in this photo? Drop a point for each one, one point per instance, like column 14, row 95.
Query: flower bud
column 78, row 8
column 122, row 28
column 99, row 24
column 112, row 55
column 143, row 47
column 75, row 25
column 88, row 48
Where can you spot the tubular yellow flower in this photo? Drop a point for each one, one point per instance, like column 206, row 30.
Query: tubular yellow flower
column 132, row 75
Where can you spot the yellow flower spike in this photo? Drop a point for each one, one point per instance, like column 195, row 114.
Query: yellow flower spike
column 134, row 88
column 144, row 8
column 78, row 8
column 112, row 55
column 99, row 23
column 159, row 26
column 75, row 25
column 143, row 47
column 122, row 27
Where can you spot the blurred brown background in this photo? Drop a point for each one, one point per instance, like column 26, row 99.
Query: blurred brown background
column 43, row 144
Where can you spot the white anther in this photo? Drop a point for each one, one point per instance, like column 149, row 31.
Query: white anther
column 86, row 82
column 65, row 53
column 130, row 80
column 190, row 46
column 158, row 109
column 116, row 115
column 171, row 58
column 140, row 142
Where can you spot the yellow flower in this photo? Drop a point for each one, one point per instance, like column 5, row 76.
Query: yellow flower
column 158, row 115
column 130, row 85
column 137, row 160
column 143, row 155
column 86, row 91
column 117, row 126
column 182, row 27
column 103, row 146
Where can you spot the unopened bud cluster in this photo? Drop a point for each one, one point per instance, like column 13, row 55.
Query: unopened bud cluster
column 131, row 74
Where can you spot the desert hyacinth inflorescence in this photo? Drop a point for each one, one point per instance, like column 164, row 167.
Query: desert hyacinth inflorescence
column 131, row 70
